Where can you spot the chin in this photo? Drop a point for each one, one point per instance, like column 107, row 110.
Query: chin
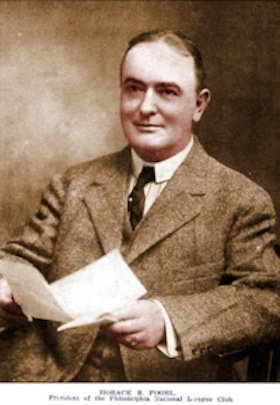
column 151, row 152
column 147, row 140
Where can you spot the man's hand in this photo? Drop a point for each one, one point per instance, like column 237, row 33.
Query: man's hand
column 6, row 300
column 140, row 325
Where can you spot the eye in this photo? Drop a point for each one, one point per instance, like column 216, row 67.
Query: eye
column 132, row 88
column 168, row 92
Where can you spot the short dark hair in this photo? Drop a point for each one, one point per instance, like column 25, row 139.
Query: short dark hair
column 179, row 42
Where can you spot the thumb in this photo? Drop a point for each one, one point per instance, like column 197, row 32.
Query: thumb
column 5, row 292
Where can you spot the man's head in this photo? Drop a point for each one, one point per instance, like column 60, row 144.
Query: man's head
column 162, row 93
column 177, row 41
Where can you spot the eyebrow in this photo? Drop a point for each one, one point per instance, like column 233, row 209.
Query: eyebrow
column 132, row 80
column 158, row 84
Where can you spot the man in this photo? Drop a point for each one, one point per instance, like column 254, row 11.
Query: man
column 197, row 234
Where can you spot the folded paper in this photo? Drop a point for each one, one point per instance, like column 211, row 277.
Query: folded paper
column 86, row 296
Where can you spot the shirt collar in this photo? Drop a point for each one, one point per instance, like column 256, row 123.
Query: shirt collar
column 165, row 169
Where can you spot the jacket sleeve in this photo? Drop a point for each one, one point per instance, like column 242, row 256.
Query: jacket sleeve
column 36, row 245
column 246, row 310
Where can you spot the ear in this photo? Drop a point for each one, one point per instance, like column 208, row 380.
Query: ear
column 202, row 101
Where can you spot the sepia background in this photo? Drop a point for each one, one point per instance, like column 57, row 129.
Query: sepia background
column 59, row 87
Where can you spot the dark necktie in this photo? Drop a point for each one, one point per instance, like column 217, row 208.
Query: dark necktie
column 136, row 199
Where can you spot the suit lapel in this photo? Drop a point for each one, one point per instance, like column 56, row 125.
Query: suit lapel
column 180, row 202
column 106, row 200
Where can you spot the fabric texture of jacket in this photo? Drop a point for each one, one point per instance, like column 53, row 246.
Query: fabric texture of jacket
column 205, row 250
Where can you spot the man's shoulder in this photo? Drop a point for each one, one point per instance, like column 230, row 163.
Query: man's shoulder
column 218, row 173
column 234, row 184
column 97, row 167
column 230, row 176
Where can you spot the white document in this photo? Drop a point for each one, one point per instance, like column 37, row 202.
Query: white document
column 87, row 296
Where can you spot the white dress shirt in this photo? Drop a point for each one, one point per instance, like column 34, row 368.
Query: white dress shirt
column 164, row 171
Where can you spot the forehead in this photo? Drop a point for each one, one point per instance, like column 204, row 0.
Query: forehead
column 158, row 62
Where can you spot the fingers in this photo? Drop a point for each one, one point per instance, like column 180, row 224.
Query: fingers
column 135, row 342
column 132, row 311
column 124, row 327
column 139, row 326
column 13, row 308
column 129, row 329
column 5, row 293
column 6, row 300
column 132, row 340
column 129, row 320
column 128, row 332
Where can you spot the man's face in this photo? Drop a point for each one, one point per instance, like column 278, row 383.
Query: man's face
column 159, row 102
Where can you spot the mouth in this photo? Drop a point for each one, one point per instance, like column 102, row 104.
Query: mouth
column 147, row 125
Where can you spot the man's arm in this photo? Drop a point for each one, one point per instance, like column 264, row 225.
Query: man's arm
column 36, row 245
column 246, row 311
column 228, row 317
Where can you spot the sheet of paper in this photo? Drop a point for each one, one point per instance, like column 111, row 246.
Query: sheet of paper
column 88, row 320
column 105, row 285
column 32, row 292
column 80, row 298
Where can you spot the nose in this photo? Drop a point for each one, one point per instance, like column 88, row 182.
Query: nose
column 148, row 104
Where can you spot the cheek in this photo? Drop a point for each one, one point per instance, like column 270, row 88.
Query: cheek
column 178, row 116
column 173, row 116
column 173, row 110
column 128, row 106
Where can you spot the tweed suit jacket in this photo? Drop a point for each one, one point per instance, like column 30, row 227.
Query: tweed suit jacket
column 205, row 250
